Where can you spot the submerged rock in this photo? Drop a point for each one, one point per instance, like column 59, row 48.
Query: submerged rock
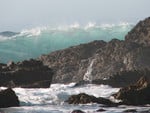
column 83, row 98
column 100, row 110
column 77, row 111
column 29, row 74
column 137, row 94
column 8, row 98
column 130, row 111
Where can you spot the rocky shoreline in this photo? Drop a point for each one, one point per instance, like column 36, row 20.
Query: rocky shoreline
column 118, row 63
column 111, row 61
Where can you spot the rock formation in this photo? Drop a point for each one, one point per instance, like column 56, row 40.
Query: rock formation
column 71, row 64
column 29, row 74
column 110, row 58
column 123, row 78
column 137, row 94
column 83, row 98
column 8, row 98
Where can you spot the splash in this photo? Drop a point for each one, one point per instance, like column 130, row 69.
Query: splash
column 88, row 74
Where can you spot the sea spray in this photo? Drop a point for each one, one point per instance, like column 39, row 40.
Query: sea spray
column 88, row 75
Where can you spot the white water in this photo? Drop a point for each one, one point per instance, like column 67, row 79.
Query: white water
column 88, row 74
column 51, row 100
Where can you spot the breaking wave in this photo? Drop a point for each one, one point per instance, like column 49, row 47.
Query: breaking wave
column 30, row 43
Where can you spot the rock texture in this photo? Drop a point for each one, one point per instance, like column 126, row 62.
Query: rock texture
column 29, row 74
column 8, row 98
column 140, row 33
column 137, row 94
column 123, row 78
column 70, row 65
column 83, row 98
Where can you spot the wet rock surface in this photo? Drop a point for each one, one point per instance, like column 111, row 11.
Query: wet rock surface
column 8, row 98
column 137, row 94
column 83, row 98
column 29, row 74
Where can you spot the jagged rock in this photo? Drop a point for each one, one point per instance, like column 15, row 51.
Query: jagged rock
column 140, row 33
column 31, row 73
column 8, row 98
column 83, row 98
column 137, row 94
column 71, row 64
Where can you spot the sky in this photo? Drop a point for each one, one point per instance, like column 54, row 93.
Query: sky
column 16, row 15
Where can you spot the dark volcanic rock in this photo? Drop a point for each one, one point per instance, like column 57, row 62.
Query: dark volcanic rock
column 8, row 98
column 137, row 94
column 29, row 74
column 107, row 59
column 83, row 98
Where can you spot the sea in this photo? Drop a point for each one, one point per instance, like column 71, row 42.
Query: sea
column 31, row 43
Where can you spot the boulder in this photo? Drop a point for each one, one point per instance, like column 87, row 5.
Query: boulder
column 29, row 73
column 137, row 94
column 83, row 98
column 8, row 98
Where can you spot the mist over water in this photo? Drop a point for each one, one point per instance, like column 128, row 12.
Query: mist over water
column 31, row 43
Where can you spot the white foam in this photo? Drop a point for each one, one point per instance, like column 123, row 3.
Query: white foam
column 32, row 32
column 35, row 32
column 58, row 93
column 4, row 38
column 88, row 75
column 51, row 100
column 90, row 25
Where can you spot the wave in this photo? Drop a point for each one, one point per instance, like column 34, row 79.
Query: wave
column 31, row 43
column 75, row 26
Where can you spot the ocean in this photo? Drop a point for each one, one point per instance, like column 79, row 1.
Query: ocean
column 31, row 43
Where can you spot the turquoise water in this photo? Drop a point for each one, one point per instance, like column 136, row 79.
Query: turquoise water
column 31, row 43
